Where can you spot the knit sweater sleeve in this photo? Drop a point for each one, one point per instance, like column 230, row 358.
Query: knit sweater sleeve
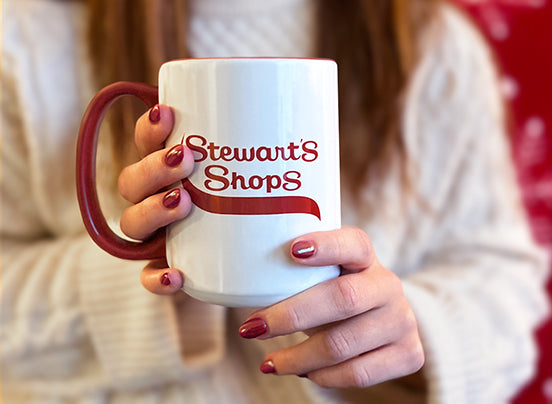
column 478, row 290
column 72, row 316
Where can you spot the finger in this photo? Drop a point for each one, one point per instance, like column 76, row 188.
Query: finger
column 336, row 344
column 159, row 279
column 141, row 220
column 343, row 297
column 153, row 128
column 347, row 339
column 157, row 170
column 349, row 247
column 386, row 363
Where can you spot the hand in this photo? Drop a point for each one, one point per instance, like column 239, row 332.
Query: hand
column 146, row 185
column 361, row 329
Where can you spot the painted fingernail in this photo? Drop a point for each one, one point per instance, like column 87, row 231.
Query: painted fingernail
column 172, row 199
column 165, row 280
column 155, row 114
column 268, row 367
column 253, row 328
column 303, row 249
column 174, row 155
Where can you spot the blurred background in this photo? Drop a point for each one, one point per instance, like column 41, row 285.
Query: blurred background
column 520, row 31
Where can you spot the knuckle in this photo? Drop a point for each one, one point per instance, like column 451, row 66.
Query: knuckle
column 338, row 345
column 361, row 376
column 415, row 357
column 294, row 318
column 340, row 241
column 122, row 184
column 409, row 321
column 411, row 346
column 128, row 223
column 393, row 284
column 135, row 180
column 346, row 296
column 354, row 247
column 412, row 355
column 397, row 284
column 142, row 132
column 363, row 241
column 150, row 169
column 418, row 361
column 137, row 221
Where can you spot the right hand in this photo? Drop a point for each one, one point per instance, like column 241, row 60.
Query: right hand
column 149, row 185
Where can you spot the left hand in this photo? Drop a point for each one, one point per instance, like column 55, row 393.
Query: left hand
column 361, row 328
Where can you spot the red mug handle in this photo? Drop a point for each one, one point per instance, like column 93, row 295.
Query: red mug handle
column 93, row 218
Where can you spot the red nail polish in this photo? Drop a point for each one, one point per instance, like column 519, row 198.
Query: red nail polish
column 268, row 367
column 253, row 328
column 155, row 114
column 174, row 155
column 303, row 249
column 165, row 280
column 172, row 199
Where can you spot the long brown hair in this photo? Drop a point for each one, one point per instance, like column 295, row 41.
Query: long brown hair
column 374, row 42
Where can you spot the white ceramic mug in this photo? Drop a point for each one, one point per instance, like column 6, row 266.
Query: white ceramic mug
column 264, row 133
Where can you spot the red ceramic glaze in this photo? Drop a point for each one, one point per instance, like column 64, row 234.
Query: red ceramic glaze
column 93, row 218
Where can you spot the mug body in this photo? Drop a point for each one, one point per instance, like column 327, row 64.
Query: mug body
column 264, row 133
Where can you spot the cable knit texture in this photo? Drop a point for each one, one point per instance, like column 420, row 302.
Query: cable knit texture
column 77, row 327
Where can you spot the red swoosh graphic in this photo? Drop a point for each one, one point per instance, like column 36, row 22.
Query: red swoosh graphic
column 233, row 205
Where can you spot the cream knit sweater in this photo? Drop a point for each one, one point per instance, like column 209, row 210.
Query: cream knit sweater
column 77, row 327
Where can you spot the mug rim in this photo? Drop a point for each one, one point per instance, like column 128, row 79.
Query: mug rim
column 249, row 59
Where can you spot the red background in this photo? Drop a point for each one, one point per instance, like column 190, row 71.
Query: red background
column 520, row 32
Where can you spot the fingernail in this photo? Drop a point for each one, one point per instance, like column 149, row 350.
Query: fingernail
column 174, row 155
column 155, row 114
column 268, row 367
column 253, row 328
column 303, row 249
column 165, row 280
column 172, row 199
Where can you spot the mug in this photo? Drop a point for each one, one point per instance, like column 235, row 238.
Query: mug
column 265, row 139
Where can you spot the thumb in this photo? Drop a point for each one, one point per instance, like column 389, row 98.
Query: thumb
column 157, row 278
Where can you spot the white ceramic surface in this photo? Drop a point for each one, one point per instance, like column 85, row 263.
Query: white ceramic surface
column 283, row 110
